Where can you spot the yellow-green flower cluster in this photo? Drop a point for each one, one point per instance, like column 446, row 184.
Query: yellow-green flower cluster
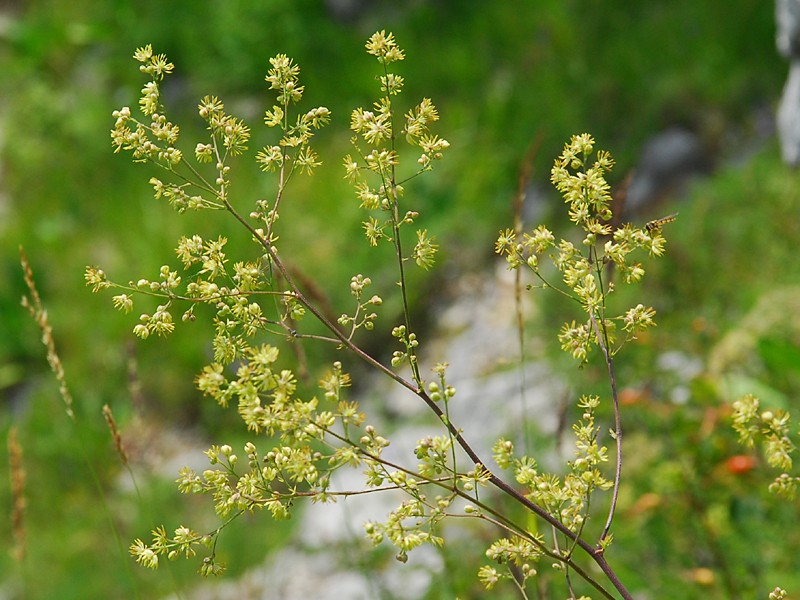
column 579, row 175
column 295, row 467
column 362, row 317
column 374, row 172
column 515, row 558
column 383, row 46
column 770, row 429
column 157, row 139
column 293, row 150
column 581, row 182
column 568, row 499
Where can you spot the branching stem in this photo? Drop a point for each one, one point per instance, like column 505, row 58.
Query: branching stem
column 595, row 554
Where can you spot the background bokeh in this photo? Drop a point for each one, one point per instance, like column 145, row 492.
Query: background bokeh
column 512, row 81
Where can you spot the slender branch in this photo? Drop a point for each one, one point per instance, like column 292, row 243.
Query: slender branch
column 283, row 178
column 548, row 285
column 395, row 213
column 196, row 299
column 519, row 202
column 420, row 392
column 602, row 342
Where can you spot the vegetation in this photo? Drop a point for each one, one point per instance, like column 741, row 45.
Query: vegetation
column 678, row 459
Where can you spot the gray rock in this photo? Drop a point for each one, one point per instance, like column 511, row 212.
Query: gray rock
column 788, row 119
column 787, row 21
column 787, row 17
column 345, row 11
column 669, row 160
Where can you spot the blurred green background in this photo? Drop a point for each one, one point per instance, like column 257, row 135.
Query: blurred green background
column 506, row 77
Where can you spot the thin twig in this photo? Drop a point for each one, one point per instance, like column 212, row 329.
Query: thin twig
column 392, row 185
column 601, row 341
column 519, row 202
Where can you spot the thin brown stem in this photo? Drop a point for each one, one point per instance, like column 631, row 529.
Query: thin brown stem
column 602, row 342
column 496, row 481
column 395, row 212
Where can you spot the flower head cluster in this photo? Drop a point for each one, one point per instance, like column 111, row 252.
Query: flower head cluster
column 182, row 543
column 374, row 171
column 293, row 150
column 156, row 140
column 567, row 499
column 283, row 76
column 424, row 252
column 295, row 467
column 208, row 279
column 229, row 135
column 411, row 524
column 771, row 430
column 363, row 316
column 382, row 45
column 155, row 65
column 178, row 197
column 581, row 183
column 579, row 175
column 514, row 556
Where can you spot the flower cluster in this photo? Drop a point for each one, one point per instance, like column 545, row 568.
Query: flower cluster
column 585, row 268
column 309, row 448
column 569, row 499
column 409, row 341
column 182, row 543
column 581, row 183
column 510, row 553
column 229, row 135
column 383, row 46
column 156, row 140
column 771, row 430
column 293, row 151
column 238, row 316
column 378, row 130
